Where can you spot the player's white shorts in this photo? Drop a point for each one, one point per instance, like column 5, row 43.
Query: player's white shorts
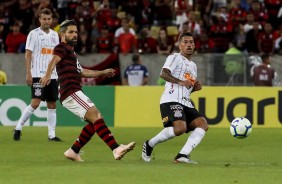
column 78, row 103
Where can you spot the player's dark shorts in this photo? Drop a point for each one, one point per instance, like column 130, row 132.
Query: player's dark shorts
column 49, row 93
column 173, row 111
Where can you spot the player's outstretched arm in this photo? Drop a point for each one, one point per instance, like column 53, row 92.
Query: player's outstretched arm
column 166, row 75
column 97, row 73
column 45, row 80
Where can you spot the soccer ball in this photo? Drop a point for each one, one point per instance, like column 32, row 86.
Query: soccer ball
column 240, row 127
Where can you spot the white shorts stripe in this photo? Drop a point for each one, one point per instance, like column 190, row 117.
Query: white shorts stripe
column 78, row 103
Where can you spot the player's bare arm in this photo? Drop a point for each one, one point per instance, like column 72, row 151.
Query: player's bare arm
column 166, row 75
column 45, row 80
column 28, row 56
column 96, row 73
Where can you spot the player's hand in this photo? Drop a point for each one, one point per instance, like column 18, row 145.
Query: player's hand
column 197, row 86
column 109, row 72
column 187, row 83
column 29, row 79
column 44, row 81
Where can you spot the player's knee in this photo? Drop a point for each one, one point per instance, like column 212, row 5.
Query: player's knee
column 204, row 125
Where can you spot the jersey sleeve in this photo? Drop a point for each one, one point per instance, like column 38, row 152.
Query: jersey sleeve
column 30, row 42
column 171, row 62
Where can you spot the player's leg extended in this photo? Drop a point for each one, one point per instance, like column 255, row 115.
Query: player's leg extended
column 102, row 130
column 25, row 116
column 199, row 127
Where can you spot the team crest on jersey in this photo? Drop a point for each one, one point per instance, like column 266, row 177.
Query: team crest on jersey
column 37, row 92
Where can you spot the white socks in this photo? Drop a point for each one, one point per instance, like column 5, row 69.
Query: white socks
column 51, row 120
column 24, row 117
column 164, row 135
column 193, row 140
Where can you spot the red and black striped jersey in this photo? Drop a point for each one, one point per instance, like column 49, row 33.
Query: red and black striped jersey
column 68, row 70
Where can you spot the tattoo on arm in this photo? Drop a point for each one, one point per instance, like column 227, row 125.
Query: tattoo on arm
column 166, row 75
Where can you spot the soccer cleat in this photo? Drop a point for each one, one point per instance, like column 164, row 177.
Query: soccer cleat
column 56, row 139
column 146, row 152
column 181, row 158
column 17, row 135
column 70, row 154
column 120, row 151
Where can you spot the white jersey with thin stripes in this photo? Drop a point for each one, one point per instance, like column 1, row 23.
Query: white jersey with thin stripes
column 41, row 44
column 183, row 69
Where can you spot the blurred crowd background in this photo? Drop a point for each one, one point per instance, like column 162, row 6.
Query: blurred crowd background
column 151, row 26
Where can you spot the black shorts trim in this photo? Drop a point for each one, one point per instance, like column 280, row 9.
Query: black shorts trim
column 48, row 93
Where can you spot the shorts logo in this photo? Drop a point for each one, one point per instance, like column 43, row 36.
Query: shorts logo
column 165, row 119
column 37, row 92
column 177, row 109
column 89, row 101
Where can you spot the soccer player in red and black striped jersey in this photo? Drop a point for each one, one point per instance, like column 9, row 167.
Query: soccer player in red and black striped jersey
column 72, row 97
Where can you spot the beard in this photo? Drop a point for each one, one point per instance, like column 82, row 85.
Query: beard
column 72, row 42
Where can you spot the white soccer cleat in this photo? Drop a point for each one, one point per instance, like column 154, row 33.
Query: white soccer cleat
column 70, row 154
column 146, row 152
column 184, row 159
column 120, row 151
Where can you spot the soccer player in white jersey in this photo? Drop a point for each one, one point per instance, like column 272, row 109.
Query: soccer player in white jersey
column 39, row 48
column 178, row 113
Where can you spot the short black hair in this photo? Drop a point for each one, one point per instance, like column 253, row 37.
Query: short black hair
column 135, row 58
column 184, row 34
column 64, row 25
column 264, row 56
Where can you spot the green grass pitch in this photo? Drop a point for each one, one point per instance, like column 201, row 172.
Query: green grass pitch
column 222, row 158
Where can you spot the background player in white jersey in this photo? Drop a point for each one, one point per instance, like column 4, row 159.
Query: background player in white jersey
column 39, row 48
column 178, row 113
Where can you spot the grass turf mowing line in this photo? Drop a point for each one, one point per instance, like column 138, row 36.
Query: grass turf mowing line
column 221, row 158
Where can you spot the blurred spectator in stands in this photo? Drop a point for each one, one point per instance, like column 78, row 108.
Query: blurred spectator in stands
column 237, row 14
column 55, row 24
column 164, row 43
column 259, row 12
column 5, row 20
column 264, row 74
column 246, row 4
column 221, row 32
column 84, row 44
column 218, row 4
column 62, row 9
column 204, row 44
column 252, row 39
column 273, row 7
column 239, row 38
column 15, row 40
column 125, row 38
column 2, row 38
column 3, row 77
column 103, row 14
column 181, row 9
column 145, row 43
column 136, row 74
column 205, row 7
column 266, row 40
column 23, row 13
column 113, row 22
column 278, row 43
column 163, row 12
column 193, row 25
column 84, row 15
column 104, row 42
column 250, row 19
column 43, row 4
column 146, row 13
